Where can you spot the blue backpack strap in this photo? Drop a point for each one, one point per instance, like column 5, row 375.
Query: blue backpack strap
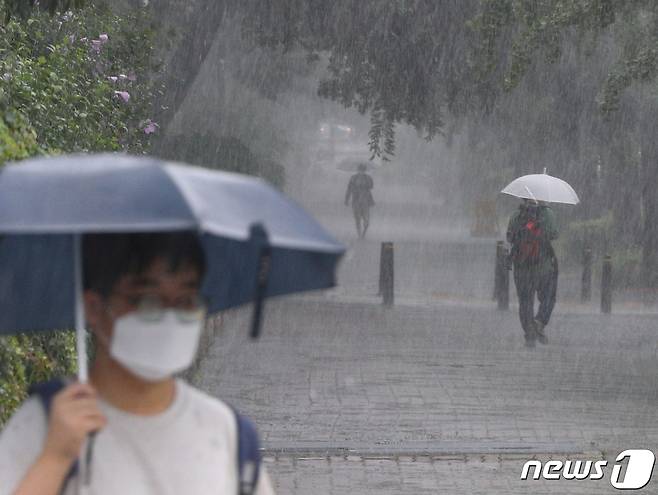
column 249, row 459
column 46, row 392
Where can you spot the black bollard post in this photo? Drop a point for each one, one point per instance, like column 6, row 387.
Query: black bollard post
column 503, row 302
column 502, row 277
column 387, row 274
column 586, row 287
column 381, row 270
column 497, row 273
column 606, row 285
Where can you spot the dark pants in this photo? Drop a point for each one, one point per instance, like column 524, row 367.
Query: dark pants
column 361, row 210
column 528, row 283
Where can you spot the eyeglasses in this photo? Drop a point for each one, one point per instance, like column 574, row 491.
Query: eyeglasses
column 151, row 307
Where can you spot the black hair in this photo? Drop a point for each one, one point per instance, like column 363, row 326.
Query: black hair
column 107, row 257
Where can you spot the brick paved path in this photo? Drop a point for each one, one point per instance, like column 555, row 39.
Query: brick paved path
column 345, row 394
column 474, row 475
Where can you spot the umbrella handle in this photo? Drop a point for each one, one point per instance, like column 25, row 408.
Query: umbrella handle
column 81, row 346
column 534, row 198
column 258, row 236
column 264, row 266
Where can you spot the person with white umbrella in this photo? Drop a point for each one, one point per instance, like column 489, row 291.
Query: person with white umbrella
column 530, row 232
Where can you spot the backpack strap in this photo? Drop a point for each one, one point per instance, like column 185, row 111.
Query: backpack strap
column 249, row 459
column 46, row 392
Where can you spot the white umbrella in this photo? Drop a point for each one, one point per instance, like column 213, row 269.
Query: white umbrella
column 542, row 187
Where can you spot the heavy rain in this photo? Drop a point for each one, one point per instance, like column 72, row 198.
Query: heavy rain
column 490, row 168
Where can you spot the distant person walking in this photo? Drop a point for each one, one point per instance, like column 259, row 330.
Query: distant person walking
column 359, row 190
column 530, row 232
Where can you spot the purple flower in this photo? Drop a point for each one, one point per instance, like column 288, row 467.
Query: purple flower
column 150, row 127
column 113, row 79
column 103, row 38
column 124, row 95
column 132, row 77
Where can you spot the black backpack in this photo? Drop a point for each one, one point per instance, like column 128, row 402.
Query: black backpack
column 249, row 458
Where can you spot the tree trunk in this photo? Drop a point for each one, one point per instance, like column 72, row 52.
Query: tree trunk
column 195, row 24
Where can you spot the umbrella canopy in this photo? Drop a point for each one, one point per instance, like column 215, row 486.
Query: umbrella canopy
column 352, row 166
column 47, row 203
column 542, row 187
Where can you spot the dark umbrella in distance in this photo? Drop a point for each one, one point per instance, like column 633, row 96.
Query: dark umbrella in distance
column 352, row 166
column 257, row 242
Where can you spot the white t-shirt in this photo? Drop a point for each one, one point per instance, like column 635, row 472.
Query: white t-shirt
column 191, row 448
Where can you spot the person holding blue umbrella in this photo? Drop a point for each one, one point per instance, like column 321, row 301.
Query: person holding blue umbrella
column 151, row 249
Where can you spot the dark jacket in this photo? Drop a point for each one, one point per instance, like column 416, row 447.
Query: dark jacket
column 359, row 190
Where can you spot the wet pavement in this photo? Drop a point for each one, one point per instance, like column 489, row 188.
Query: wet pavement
column 424, row 475
column 423, row 397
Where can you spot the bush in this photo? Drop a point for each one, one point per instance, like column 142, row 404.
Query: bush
column 226, row 153
column 17, row 139
column 28, row 359
column 81, row 80
column 627, row 267
column 595, row 234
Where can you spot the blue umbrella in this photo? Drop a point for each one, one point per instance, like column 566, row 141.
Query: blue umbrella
column 257, row 242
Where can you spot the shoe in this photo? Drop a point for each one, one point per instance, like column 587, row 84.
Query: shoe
column 539, row 330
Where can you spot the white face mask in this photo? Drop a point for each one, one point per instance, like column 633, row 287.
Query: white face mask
column 155, row 350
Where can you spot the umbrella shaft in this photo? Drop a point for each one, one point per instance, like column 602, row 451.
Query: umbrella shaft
column 81, row 337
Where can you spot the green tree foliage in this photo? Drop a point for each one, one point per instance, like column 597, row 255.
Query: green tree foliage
column 29, row 359
column 423, row 62
column 530, row 30
column 401, row 61
column 24, row 8
column 17, row 139
column 71, row 83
